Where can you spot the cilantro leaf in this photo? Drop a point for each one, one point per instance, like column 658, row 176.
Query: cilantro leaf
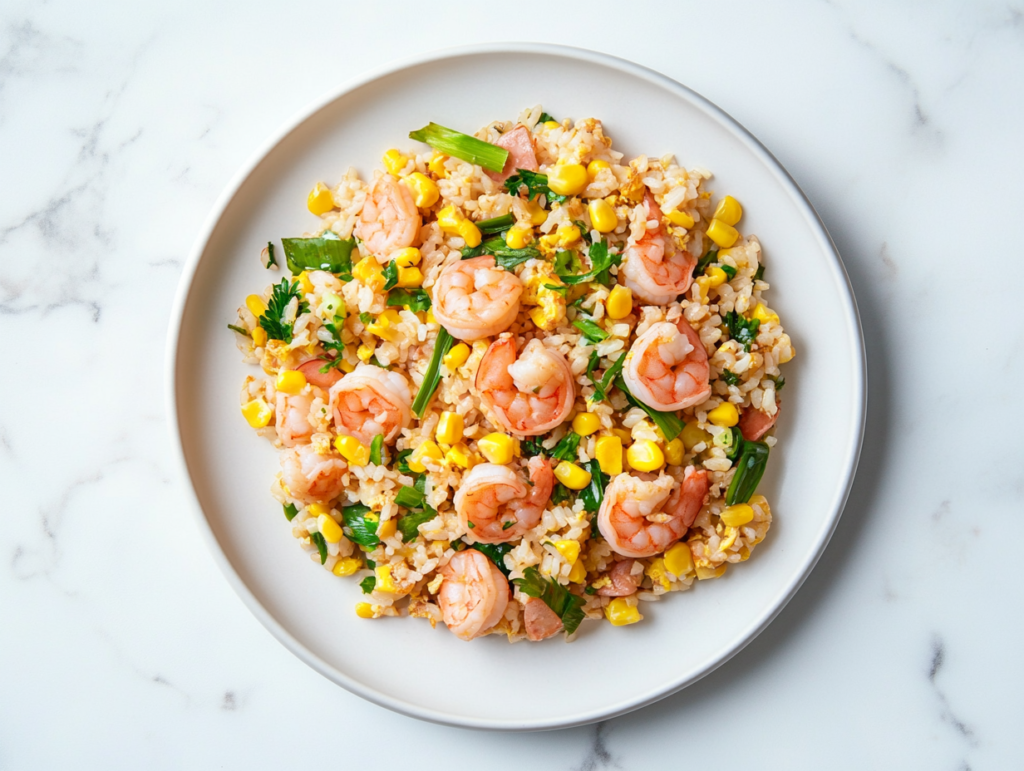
column 536, row 184
column 273, row 320
column 566, row 605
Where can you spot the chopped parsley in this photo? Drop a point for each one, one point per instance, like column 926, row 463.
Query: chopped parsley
column 566, row 605
column 742, row 330
column 535, row 183
column 730, row 378
column 545, row 118
column 333, row 345
column 273, row 320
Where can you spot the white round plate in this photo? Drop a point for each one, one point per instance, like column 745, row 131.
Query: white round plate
column 402, row 663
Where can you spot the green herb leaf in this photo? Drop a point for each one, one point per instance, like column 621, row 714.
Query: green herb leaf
column 600, row 261
column 368, row 584
column 495, row 552
column 749, row 470
column 462, row 146
column 535, row 184
column 545, row 118
column 366, row 318
column 326, row 252
column 531, row 445
column 271, row 257
column 290, row 511
column 567, row 447
column 560, row 494
column 567, row 263
column 668, row 422
column 321, row 546
column 590, row 590
column 704, row 261
column 729, row 270
column 780, row 382
column 402, row 462
column 593, row 494
column 566, row 605
column 759, row 274
column 742, row 330
column 496, row 224
column 273, row 320
column 432, row 376
column 390, row 275
column 415, row 300
column 357, row 527
column 591, row 331
column 240, row 330
column 560, row 288
column 602, row 386
column 730, row 378
column 510, row 258
column 410, row 497
column 409, row 525
column 376, row 445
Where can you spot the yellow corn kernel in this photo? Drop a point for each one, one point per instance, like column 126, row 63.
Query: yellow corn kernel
column 716, row 276
column 347, row 366
column 408, row 277
column 703, row 283
column 551, row 124
column 537, row 213
column 384, row 581
column 608, row 451
column 428, row 451
column 518, row 237
column 316, row 509
column 449, row 428
column 497, row 448
column 595, row 167
column 290, row 381
column 728, row 210
column 407, row 257
column 346, row 566
column 436, row 165
column 621, row 613
column 725, row 415
column 424, row 189
column 352, row 450
column 329, row 529
column 383, row 326
column 255, row 305
column 568, row 179
column 680, row 218
column 578, row 574
column 657, row 572
column 674, row 452
column 763, row 315
column 431, row 318
column 722, row 233
column 364, row 610
column 586, row 423
column 458, row 455
column 692, row 435
column 368, row 271
column 470, row 233
column 737, row 515
column 571, row 475
column 257, row 413
column 365, row 353
column 569, row 549
column 456, row 357
column 387, row 528
column 602, row 215
column 679, row 561
column 706, row 572
column 394, row 162
column 448, row 219
column 645, row 455
column 619, row 303
column 259, row 337
column 320, row 201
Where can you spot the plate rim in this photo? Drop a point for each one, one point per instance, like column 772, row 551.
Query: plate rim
column 172, row 355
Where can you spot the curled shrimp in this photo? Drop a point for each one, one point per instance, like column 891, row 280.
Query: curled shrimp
column 642, row 518
column 474, row 299
column 311, row 477
column 370, row 401
column 473, row 595
column 390, row 219
column 494, row 505
column 292, row 418
column 653, row 267
column 667, row 367
column 527, row 395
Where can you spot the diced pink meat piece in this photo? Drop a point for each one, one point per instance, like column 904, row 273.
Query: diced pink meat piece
column 754, row 424
column 311, row 369
column 521, row 155
column 541, row 621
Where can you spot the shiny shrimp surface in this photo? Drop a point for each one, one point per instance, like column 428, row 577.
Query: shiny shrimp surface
column 667, row 367
column 473, row 595
column 311, row 477
column 495, row 505
column 474, row 299
column 389, row 219
column 653, row 267
column 370, row 401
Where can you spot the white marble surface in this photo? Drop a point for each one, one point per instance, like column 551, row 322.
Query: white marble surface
column 121, row 646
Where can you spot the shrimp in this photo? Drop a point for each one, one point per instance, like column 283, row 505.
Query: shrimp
column 754, row 423
column 667, row 367
column 521, row 154
column 473, row 595
column 292, row 418
column 370, row 401
column 311, row 369
column 541, row 622
column 474, row 299
column 623, row 582
column 527, row 395
column 653, row 268
column 390, row 219
column 494, row 505
column 311, row 477
column 640, row 518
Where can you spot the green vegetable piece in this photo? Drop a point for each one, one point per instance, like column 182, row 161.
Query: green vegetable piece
column 240, row 330
column 273, row 320
column 545, row 118
column 321, row 546
column 602, row 386
column 703, row 262
column 366, row 318
column 409, row 525
column 532, row 445
column 496, row 224
column 390, row 275
column 560, row 494
column 271, row 257
column 730, row 440
column 591, row 331
column 567, row 447
column 326, row 252
column 415, row 300
column 432, row 376
column 566, row 605
column 749, row 470
column 368, row 584
column 495, row 552
column 462, row 146
column 357, row 528
column 730, row 378
column 729, row 270
column 742, row 330
column 410, row 497
column 759, row 274
column 376, row 445
column 290, row 511
column 780, row 383
column 535, row 184
column 668, row 422
column 600, row 261
column 402, row 462
column 567, row 263
column 510, row 258
column 593, row 494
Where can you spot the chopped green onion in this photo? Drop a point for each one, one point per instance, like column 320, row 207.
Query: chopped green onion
column 567, row 447
column 749, row 470
column 759, row 275
column 496, row 224
column 601, row 386
column 240, row 330
column 593, row 494
column 532, row 445
column 290, row 511
column 545, row 118
column 410, row 497
column 462, row 146
column 432, row 376
column 366, row 318
column 730, row 440
column 742, row 330
column 668, row 422
column 415, row 300
column 271, row 257
column 326, row 252
column 409, row 525
column 561, row 494
column 704, row 261
column 728, row 270
column 357, row 528
column 390, row 275
column 376, row 445
column 566, row 605
column 321, row 545
column 730, row 378
column 590, row 330
column 780, row 381
column 402, row 462
column 368, row 584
